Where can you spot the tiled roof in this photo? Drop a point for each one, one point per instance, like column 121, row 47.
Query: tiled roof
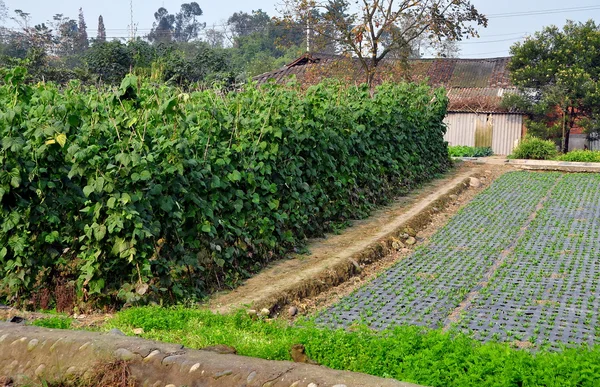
column 473, row 84
column 480, row 100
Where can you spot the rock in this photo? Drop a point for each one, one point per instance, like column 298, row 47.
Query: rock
column 124, row 354
column 475, row 182
column 251, row 312
column 221, row 349
column 411, row 241
column 453, row 197
column 117, row 332
column 405, row 251
column 298, row 353
column 222, row 373
column 16, row 320
column 138, row 331
column 488, row 172
column 265, row 312
column 410, row 231
column 397, row 245
column 292, row 311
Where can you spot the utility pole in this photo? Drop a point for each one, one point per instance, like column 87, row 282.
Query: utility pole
column 308, row 31
column 132, row 29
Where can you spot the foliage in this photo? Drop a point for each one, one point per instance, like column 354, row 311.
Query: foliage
column 148, row 191
column 375, row 28
column 534, row 148
column 469, row 151
column 109, row 61
column 412, row 354
column 559, row 70
column 585, row 156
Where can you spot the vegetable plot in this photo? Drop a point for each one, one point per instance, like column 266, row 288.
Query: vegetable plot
column 519, row 263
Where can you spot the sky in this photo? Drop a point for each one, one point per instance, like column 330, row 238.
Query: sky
column 509, row 20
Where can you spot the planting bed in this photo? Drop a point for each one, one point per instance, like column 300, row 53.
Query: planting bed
column 519, row 263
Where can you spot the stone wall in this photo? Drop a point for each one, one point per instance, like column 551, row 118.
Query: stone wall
column 31, row 354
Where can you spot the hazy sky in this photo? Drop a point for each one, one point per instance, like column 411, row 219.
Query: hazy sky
column 505, row 25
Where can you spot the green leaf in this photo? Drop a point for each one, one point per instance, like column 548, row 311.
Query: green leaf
column 125, row 198
column 206, row 227
column 61, row 139
column 234, row 176
column 111, row 202
column 87, row 190
column 145, row 175
column 100, row 232
column 3, row 252
column 238, row 205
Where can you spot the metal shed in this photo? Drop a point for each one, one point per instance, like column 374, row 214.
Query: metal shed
column 500, row 131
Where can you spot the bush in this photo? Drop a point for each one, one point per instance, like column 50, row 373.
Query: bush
column 469, row 151
column 585, row 156
column 148, row 192
column 535, row 149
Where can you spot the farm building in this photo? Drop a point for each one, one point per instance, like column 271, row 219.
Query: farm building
column 475, row 89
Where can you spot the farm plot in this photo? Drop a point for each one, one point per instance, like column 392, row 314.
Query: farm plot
column 519, row 263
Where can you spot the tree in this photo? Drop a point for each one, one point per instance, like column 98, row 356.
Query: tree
column 560, row 70
column 66, row 39
column 181, row 27
column 101, row 37
column 215, row 38
column 371, row 29
column 109, row 61
column 3, row 10
column 38, row 37
column 245, row 24
column 186, row 25
column 82, row 42
column 162, row 28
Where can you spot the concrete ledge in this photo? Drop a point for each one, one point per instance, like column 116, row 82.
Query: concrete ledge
column 539, row 165
column 37, row 354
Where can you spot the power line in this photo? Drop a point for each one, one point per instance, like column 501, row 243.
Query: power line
column 490, row 41
column 487, row 53
column 543, row 12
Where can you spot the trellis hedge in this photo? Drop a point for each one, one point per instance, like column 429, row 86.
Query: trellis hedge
column 143, row 192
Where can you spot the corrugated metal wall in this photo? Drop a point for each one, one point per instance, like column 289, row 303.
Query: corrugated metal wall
column 506, row 129
column 594, row 145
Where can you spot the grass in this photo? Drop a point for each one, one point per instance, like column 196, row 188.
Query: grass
column 428, row 357
column 58, row 322
column 585, row 156
column 469, row 151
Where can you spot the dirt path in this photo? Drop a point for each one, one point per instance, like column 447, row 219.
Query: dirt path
column 331, row 258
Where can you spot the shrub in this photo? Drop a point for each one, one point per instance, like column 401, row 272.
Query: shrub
column 147, row 192
column 535, row 149
column 469, row 151
column 585, row 156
